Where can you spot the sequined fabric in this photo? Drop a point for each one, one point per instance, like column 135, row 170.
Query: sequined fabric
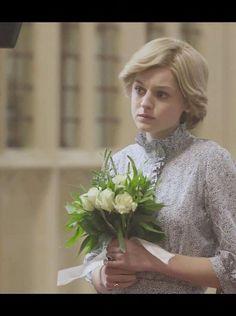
column 198, row 187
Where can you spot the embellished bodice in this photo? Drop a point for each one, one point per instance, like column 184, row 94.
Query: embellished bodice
column 160, row 151
column 168, row 146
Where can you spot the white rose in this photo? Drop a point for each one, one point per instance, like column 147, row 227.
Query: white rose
column 88, row 199
column 119, row 180
column 87, row 205
column 92, row 195
column 124, row 203
column 105, row 200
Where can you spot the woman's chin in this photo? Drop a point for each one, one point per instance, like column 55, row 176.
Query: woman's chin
column 144, row 127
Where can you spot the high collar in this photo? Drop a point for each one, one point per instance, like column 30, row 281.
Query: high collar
column 166, row 147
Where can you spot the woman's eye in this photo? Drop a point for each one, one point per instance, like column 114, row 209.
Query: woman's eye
column 139, row 90
column 162, row 94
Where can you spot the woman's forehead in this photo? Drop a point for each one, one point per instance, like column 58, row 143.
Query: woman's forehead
column 156, row 76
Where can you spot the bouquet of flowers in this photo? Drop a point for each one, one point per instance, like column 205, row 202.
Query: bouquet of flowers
column 116, row 206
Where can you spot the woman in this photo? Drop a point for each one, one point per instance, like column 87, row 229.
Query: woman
column 166, row 80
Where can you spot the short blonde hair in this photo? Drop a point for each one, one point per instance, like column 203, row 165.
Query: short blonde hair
column 188, row 66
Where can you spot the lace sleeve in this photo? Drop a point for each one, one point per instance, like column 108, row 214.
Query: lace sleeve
column 221, row 204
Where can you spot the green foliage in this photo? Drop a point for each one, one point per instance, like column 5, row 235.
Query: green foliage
column 99, row 226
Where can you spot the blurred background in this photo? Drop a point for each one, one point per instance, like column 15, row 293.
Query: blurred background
column 61, row 104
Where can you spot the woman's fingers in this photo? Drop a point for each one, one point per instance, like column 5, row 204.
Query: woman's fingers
column 117, row 278
column 108, row 270
column 119, row 281
column 113, row 243
column 111, row 256
column 115, row 264
column 120, row 278
column 116, row 285
column 113, row 249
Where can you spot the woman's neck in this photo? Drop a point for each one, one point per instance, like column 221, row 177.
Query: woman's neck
column 162, row 135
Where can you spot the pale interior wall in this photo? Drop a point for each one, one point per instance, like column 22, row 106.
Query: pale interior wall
column 35, row 184
column 218, row 47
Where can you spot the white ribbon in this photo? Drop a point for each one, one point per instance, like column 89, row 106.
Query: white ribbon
column 68, row 275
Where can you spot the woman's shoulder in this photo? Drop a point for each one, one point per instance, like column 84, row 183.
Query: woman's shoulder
column 212, row 151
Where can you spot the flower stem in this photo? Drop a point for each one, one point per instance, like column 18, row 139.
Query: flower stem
column 123, row 224
column 127, row 224
column 107, row 222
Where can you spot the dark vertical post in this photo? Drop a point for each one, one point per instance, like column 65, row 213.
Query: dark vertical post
column 9, row 32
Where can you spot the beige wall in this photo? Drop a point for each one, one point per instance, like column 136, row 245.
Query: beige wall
column 218, row 46
column 35, row 183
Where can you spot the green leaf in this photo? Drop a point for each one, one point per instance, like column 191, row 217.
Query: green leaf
column 79, row 232
column 113, row 165
column 88, row 225
column 150, row 205
column 136, row 231
column 104, row 239
column 76, row 197
column 150, row 228
column 77, row 216
column 89, row 243
column 147, row 198
column 150, row 236
column 143, row 218
column 128, row 168
column 71, row 225
column 111, row 227
column 74, row 220
column 70, row 208
column 121, row 240
column 135, row 171
column 99, row 222
column 107, row 155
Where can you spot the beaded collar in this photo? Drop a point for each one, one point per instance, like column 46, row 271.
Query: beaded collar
column 168, row 147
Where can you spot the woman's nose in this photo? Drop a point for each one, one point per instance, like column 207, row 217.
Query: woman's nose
column 147, row 101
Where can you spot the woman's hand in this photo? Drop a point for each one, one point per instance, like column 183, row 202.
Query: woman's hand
column 135, row 259
column 116, row 278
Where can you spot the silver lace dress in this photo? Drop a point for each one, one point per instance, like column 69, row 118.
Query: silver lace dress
column 198, row 187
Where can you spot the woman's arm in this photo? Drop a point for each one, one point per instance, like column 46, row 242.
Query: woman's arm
column 220, row 202
column 196, row 270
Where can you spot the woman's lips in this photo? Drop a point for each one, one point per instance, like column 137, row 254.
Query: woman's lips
column 145, row 116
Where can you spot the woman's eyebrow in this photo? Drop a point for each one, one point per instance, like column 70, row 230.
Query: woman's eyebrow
column 155, row 87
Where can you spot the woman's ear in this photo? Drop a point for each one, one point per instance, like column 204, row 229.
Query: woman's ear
column 186, row 106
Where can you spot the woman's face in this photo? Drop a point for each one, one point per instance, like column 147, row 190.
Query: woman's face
column 156, row 102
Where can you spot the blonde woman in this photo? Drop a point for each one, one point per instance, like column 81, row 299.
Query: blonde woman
column 166, row 81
